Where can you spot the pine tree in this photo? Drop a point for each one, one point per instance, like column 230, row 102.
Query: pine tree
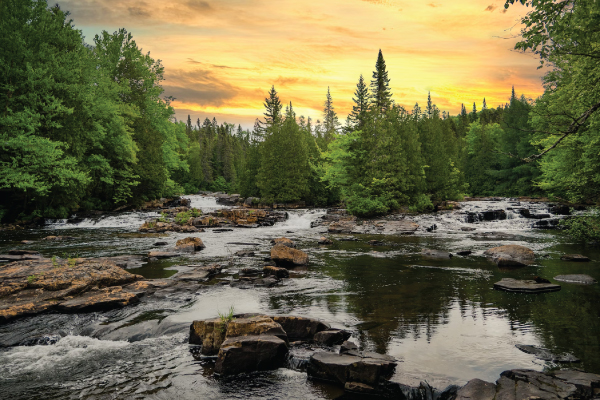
column 273, row 108
column 473, row 115
column 484, row 107
column 416, row 112
column 330, row 119
column 381, row 96
column 361, row 101
column 429, row 106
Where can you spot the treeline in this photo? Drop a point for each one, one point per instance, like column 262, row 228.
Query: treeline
column 85, row 127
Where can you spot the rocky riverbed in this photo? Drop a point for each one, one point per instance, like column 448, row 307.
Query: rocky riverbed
column 101, row 306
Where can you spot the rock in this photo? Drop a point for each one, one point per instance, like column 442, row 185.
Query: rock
column 249, row 271
column 341, row 227
column 587, row 384
column 300, row 328
column 525, row 286
column 539, row 216
column 221, row 230
column 476, row 389
column 161, row 243
column 24, row 253
column 254, row 326
column 369, row 368
column 27, row 241
column 331, row 337
column 545, row 354
column 348, row 347
column 31, row 287
column 527, row 384
column 324, row 241
column 360, row 388
column 385, row 227
column 14, row 257
column 250, row 201
column 59, row 238
column 283, row 241
column 162, row 254
column 268, row 281
column 209, row 333
column 244, row 253
column 546, row 224
column 464, row 253
column 575, row 257
column 467, row 229
column 286, row 256
column 511, row 255
column 576, row 278
column 276, row 271
column 560, row 209
column 489, row 215
column 190, row 243
column 430, row 253
column 376, row 243
column 251, row 353
column 199, row 273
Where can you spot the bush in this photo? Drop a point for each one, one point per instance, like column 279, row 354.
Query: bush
column 220, row 185
column 584, row 228
column 183, row 217
column 422, row 203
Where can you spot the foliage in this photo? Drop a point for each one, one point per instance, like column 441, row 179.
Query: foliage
column 584, row 228
column 183, row 217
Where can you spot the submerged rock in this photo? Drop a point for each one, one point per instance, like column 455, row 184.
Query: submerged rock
column 511, row 255
column 324, row 241
column 546, row 355
column 575, row 257
column 287, row 256
column 276, row 271
column 162, row 254
column 440, row 254
column 525, row 286
column 199, row 273
column 576, row 278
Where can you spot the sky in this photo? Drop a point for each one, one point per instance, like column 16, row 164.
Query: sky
column 221, row 57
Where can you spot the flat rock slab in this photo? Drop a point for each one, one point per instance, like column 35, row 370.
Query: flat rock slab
column 199, row 273
column 300, row 328
column 332, row 337
column 369, row 368
column 575, row 257
column 525, row 286
column 437, row 254
column 546, row 355
column 511, row 255
column 162, row 254
column 576, row 278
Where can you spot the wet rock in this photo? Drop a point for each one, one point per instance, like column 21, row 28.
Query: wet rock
column 324, row 241
column 221, row 230
column 376, row 243
column 58, row 238
column 283, row 241
column 546, row 355
column 476, row 389
column 440, row 254
column 586, row 384
column 15, row 257
column 341, row 227
column 99, row 300
column 159, row 227
column 209, row 333
column 385, row 227
column 251, row 353
column 347, row 347
column 125, row 261
column 576, row 278
column 24, row 253
column 162, row 254
column 527, row 384
column 250, row 271
column 489, row 215
column 161, row 244
column 467, row 229
column 300, row 328
column 539, row 216
column 190, row 243
column 268, row 281
column 575, row 257
column 369, row 368
column 525, row 286
column 245, row 253
column 464, row 253
column 255, row 325
column 27, row 241
column 31, row 287
column 511, row 255
column 331, row 337
column 276, row 271
column 287, row 256
column 560, row 209
column 199, row 274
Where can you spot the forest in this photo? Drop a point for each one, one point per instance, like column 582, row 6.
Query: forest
column 87, row 127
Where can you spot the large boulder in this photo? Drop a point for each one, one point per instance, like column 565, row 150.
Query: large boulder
column 284, row 241
column 209, row 333
column 525, row 286
column 251, row 353
column 332, row 337
column 476, row 389
column 300, row 328
column 366, row 368
column 278, row 272
column 287, row 256
column 254, row 326
column 190, row 244
column 582, row 279
column 511, row 255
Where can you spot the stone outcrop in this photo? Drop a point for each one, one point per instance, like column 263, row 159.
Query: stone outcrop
column 209, row 333
column 369, row 369
column 152, row 226
column 31, row 287
column 324, row 241
column 375, row 227
column 477, row 389
column 331, row 337
column 251, row 353
column 582, row 279
column 287, row 256
column 278, row 272
column 437, row 254
column 190, row 244
column 199, row 273
column 525, row 286
column 284, row 241
column 511, row 255
column 162, row 254
column 300, row 328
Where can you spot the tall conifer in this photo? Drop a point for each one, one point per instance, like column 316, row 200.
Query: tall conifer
column 381, row 96
column 330, row 119
column 361, row 104
column 272, row 108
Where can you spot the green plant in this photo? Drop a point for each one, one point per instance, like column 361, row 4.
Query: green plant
column 32, row 278
column 162, row 218
column 71, row 262
column 226, row 318
column 183, row 217
column 151, row 224
column 583, row 228
column 54, row 262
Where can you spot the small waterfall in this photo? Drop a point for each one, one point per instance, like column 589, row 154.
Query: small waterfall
column 129, row 220
column 300, row 219
column 205, row 203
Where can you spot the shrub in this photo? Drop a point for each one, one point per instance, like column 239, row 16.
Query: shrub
column 584, row 228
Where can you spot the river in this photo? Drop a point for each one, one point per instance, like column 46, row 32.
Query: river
column 441, row 318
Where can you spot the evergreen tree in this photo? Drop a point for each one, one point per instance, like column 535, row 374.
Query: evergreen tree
column 330, row 119
column 361, row 104
column 416, row 112
column 381, row 96
column 484, row 107
column 272, row 108
column 429, row 106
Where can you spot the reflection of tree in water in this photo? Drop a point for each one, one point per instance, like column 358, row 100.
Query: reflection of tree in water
column 409, row 298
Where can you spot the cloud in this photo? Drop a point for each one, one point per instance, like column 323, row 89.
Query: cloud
column 434, row 5
column 139, row 12
column 491, row 8
column 199, row 5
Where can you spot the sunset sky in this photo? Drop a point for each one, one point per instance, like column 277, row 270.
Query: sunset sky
column 222, row 56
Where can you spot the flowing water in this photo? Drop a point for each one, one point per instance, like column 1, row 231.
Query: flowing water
column 441, row 318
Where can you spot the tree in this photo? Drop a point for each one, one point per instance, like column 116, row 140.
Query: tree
column 429, row 106
column 330, row 119
column 361, row 104
column 272, row 108
column 381, row 96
